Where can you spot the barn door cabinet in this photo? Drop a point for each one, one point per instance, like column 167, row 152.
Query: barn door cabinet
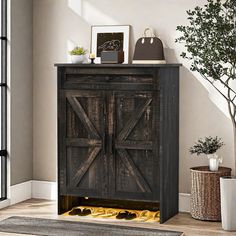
column 118, row 136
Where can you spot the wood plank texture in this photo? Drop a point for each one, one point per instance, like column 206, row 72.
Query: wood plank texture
column 84, row 145
column 127, row 144
column 169, row 142
column 118, row 135
column 93, row 152
column 83, row 116
column 143, row 185
column 83, row 142
column 133, row 120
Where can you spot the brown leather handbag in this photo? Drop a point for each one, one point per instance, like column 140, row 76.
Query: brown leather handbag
column 149, row 50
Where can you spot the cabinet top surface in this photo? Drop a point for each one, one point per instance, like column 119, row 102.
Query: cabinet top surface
column 117, row 65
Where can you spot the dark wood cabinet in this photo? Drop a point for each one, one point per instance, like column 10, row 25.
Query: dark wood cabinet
column 118, row 136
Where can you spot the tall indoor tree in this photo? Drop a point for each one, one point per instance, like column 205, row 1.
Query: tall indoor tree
column 210, row 42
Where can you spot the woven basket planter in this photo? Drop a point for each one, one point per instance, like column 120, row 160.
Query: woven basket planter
column 205, row 192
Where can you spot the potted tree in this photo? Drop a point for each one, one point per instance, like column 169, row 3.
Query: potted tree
column 210, row 42
column 78, row 54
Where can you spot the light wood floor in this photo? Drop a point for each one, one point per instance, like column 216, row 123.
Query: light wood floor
column 47, row 209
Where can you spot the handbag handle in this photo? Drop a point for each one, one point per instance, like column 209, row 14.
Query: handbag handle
column 151, row 32
column 145, row 34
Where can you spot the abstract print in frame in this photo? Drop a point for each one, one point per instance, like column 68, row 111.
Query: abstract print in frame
column 110, row 38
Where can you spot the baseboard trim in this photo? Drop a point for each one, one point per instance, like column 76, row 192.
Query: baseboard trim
column 184, row 202
column 48, row 190
column 44, row 190
column 4, row 203
column 20, row 192
column 31, row 189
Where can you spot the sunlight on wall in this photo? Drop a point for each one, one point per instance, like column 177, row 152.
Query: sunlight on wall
column 213, row 94
column 89, row 13
column 76, row 6
column 218, row 99
column 70, row 46
column 95, row 16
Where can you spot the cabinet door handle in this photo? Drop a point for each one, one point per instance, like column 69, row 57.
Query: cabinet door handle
column 104, row 142
column 104, row 135
column 112, row 142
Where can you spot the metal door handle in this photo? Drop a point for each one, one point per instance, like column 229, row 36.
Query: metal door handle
column 104, row 142
column 112, row 143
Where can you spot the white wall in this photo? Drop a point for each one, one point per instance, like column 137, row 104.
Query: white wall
column 20, row 91
column 57, row 23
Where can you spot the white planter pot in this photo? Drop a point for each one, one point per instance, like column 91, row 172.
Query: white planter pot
column 77, row 59
column 228, row 202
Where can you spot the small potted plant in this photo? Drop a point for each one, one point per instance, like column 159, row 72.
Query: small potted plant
column 78, row 54
column 209, row 146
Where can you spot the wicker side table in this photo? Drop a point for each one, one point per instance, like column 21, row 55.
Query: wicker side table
column 205, row 192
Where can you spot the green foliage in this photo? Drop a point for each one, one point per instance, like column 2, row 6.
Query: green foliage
column 210, row 39
column 78, row 51
column 208, row 145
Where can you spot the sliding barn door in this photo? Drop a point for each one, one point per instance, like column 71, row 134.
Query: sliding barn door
column 134, row 158
column 83, row 161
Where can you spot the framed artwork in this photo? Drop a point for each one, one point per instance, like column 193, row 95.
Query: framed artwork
column 110, row 38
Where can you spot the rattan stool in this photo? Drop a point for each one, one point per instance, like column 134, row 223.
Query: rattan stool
column 205, row 192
